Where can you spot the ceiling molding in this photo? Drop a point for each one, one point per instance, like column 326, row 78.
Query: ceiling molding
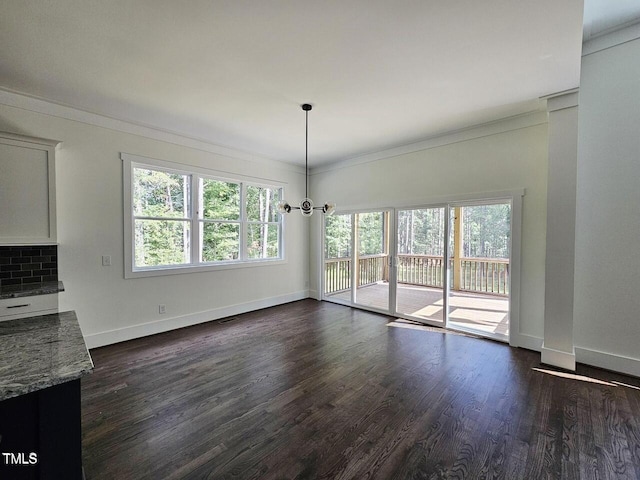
column 517, row 122
column 611, row 39
column 46, row 107
column 28, row 139
column 562, row 100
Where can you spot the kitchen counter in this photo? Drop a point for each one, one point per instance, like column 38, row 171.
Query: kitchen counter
column 40, row 352
column 30, row 289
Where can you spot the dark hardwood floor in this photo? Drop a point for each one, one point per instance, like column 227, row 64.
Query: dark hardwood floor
column 316, row 390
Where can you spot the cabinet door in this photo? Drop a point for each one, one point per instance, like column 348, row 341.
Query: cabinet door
column 27, row 192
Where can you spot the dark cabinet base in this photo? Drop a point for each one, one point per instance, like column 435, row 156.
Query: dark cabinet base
column 40, row 434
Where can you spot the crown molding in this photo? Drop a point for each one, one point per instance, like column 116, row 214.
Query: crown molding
column 516, row 122
column 43, row 106
column 46, row 107
column 561, row 100
column 610, row 39
column 35, row 140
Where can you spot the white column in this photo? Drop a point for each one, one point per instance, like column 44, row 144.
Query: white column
column 557, row 348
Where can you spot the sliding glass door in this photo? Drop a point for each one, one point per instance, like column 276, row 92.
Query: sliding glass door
column 356, row 259
column 480, row 259
column 338, row 261
column 445, row 265
column 372, row 260
column 420, row 264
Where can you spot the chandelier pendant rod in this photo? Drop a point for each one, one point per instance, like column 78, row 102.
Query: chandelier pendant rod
column 306, row 205
column 306, row 153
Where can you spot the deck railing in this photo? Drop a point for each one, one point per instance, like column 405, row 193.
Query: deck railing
column 337, row 275
column 486, row 275
column 371, row 269
column 423, row 270
column 482, row 275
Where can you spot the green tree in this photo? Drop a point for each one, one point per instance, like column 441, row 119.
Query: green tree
column 421, row 231
column 337, row 236
column 370, row 233
column 487, row 230
column 220, row 212
column 162, row 237
column 262, row 234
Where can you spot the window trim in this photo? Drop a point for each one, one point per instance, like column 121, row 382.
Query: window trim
column 130, row 161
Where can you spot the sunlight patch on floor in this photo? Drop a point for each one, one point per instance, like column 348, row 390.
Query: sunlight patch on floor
column 573, row 376
column 477, row 328
column 410, row 326
column 402, row 323
column 477, row 315
column 475, row 302
column 625, row 385
column 428, row 311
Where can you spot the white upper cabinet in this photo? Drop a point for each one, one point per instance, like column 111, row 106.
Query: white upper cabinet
column 27, row 190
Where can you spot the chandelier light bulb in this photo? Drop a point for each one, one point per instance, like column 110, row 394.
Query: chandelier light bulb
column 329, row 208
column 283, row 207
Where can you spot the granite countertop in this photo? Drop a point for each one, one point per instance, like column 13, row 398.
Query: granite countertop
column 30, row 289
column 39, row 352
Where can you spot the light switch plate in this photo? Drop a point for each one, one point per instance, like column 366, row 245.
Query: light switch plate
column 106, row 260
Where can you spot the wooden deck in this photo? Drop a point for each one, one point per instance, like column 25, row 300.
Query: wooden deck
column 487, row 314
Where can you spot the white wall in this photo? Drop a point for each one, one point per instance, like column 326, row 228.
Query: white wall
column 516, row 158
column 607, row 272
column 90, row 224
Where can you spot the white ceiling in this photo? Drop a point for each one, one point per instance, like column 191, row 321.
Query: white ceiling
column 379, row 73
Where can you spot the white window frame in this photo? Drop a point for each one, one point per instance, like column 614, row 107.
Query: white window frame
column 129, row 162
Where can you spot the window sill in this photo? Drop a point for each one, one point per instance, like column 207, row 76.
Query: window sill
column 185, row 269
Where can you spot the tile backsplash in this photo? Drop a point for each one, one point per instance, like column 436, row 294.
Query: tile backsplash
column 28, row 264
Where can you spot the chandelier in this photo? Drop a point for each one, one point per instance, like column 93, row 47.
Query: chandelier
column 306, row 204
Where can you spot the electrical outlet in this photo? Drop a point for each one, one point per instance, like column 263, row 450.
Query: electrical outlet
column 106, row 260
column 162, row 308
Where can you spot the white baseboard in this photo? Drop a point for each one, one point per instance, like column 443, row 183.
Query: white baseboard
column 616, row 363
column 594, row 358
column 529, row 342
column 150, row 328
column 557, row 358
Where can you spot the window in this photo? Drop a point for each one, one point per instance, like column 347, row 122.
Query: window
column 219, row 220
column 185, row 218
column 161, row 217
column 263, row 222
